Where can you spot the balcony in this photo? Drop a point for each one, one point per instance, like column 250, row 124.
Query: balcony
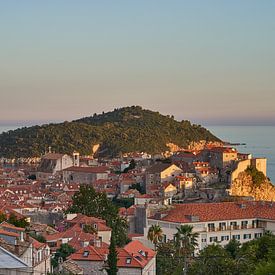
column 231, row 227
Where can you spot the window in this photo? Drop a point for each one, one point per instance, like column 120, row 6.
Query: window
column 233, row 225
column 247, row 236
column 213, row 239
column 236, row 237
column 142, row 253
column 86, row 253
column 128, row 260
column 138, row 258
column 224, row 238
column 203, row 240
column 211, row 227
column 258, row 235
column 255, row 224
column 222, row 225
column 244, row 224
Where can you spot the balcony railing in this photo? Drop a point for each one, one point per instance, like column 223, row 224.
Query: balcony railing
column 232, row 227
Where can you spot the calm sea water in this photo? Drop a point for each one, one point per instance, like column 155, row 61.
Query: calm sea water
column 259, row 140
column 7, row 128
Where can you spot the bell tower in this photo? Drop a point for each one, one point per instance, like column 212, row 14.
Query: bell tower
column 76, row 159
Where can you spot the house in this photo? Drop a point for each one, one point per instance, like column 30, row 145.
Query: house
column 85, row 175
column 103, row 231
column 217, row 222
column 52, row 163
column 10, row 264
column 222, row 157
column 71, row 267
column 80, row 231
column 133, row 258
column 185, row 182
column 168, row 190
column 185, row 156
column 161, row 172
column 34, row 254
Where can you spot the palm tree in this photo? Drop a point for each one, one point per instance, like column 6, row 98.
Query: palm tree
column 155, row 234
column 186, row 242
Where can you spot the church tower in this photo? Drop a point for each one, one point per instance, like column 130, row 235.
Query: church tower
column 76, row 159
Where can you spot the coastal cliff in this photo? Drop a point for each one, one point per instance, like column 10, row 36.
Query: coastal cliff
column 243, row 185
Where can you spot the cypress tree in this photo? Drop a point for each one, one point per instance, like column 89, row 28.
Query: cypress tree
column 112, row 258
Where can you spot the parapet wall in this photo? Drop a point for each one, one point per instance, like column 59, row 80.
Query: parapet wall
column 259, row 163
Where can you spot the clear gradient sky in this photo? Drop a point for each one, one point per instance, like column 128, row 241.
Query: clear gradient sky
column 207, row 61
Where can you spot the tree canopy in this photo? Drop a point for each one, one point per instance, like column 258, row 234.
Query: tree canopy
column 128, row 129
column 91, row 203
column 253, row 257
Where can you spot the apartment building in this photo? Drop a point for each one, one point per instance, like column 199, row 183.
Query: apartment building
column 218, row 222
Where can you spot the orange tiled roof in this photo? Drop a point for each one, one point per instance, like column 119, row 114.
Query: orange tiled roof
column 97, row 169
column 181, row 213
column 11, row 226
column 8, row 233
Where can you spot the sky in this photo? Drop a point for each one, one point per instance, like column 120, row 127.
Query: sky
column 212, row 62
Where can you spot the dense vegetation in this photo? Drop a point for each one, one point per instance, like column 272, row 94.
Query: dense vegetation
column 122, row 130
column 12, row 219
column 258, row 177
column 62, row 254
column 173, row 257
column 91, row 203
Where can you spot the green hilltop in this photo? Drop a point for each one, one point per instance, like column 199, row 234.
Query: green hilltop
column 123, row 130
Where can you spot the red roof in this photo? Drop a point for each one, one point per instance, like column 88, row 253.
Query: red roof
column 134, row 254
column 8, row 233
column 223, row 150
column 53, row 156
column 36, row 244
column 83, row 219
column 181, row 213
column 92, row 170
column 11, row 226
column 90, row 253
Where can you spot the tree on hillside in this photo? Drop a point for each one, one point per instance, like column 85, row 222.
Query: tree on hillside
column 166, row 259
column 62, row 253
column 91, row 203
column 17, row 222
column 155, row 234
column 233, row 248
column 112, row 258
column 212, row 260
column 258, row 177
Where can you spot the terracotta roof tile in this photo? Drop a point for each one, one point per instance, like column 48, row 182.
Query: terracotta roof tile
column 180, row 213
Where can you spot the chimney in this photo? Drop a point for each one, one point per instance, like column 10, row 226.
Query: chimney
column 27, row 237
column 16, row 248
column 98, row 243
column 146, row 254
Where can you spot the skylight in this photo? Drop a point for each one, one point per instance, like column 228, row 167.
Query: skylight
column 86, row 253
column 128, row 260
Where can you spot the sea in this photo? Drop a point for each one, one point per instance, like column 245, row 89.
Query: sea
column 258, row 140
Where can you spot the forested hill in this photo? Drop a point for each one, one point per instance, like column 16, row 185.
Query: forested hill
column 123, row 130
